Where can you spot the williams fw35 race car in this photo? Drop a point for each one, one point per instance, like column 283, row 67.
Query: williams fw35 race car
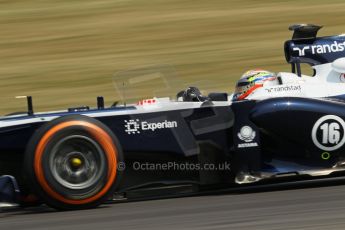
column 273, row 125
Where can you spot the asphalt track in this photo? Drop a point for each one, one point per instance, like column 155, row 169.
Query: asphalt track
column 316, row 206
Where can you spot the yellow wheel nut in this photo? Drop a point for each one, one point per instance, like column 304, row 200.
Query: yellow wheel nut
column 76, row 162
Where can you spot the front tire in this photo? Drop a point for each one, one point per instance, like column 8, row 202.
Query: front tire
column 72, row 162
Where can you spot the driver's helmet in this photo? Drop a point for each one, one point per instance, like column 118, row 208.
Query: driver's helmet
column 252, row 80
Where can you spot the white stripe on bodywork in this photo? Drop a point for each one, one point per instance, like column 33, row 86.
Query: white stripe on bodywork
column 160, row 107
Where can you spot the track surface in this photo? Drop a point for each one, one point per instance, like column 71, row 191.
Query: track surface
column 295, row 208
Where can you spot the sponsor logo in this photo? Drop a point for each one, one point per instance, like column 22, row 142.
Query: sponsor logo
column 247, row 134
column 283, row 89
column 247, row 145
column 301, row 52
column 328, row 133
column 136, row 126
column 132, row 126
column 321, row 49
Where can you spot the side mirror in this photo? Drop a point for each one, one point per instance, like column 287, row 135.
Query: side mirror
column 339, row 65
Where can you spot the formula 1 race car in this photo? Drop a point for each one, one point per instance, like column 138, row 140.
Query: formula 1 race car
column 287, row 124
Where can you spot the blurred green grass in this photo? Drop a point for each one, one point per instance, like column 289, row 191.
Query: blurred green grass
column 65, row 53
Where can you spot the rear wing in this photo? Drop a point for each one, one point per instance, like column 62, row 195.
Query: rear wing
column 306, row 47
column 304, row 31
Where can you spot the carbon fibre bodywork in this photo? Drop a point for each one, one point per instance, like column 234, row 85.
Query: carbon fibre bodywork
column 199, row 131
